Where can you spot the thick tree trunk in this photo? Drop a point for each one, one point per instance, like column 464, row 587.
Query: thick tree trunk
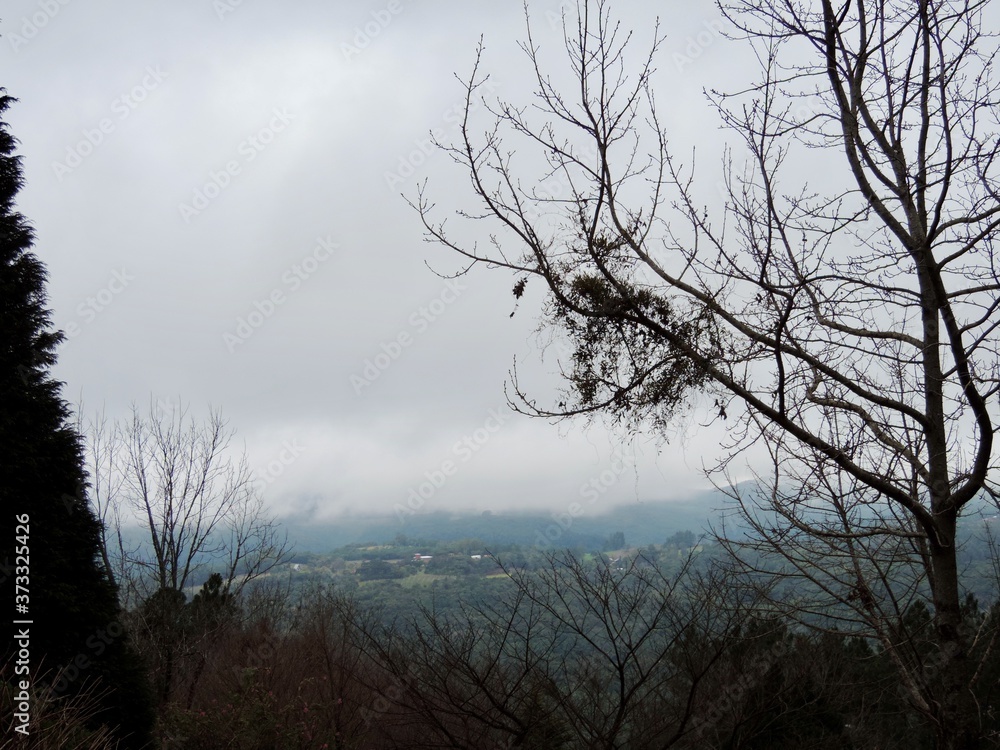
column 957, row 714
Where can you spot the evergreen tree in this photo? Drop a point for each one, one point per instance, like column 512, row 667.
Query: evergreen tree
column 77, row 641
column 615, row 541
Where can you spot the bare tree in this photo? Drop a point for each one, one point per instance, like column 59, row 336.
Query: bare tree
column 175, row 503
column 851, row 328
column 576, row 654
column 104, row 492
column 193, row 504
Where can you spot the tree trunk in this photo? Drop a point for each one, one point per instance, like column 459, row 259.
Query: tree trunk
column 957, row 714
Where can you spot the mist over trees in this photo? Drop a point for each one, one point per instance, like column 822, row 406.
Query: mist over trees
column 175, row 503
column 845, row 322
column 850, row 329
column 194, row 502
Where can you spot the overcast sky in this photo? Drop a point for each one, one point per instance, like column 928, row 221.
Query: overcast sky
column 215, row 187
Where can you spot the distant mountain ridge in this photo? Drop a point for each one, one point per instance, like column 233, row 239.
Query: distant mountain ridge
column 642, row 523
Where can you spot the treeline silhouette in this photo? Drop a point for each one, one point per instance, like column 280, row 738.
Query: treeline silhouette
column 564, row 652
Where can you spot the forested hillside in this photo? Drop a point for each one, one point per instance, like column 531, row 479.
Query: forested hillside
column 571, row 311
column 641, row 522
column 415, row 643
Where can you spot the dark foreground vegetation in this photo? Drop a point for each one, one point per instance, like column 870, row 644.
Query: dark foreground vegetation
column 421, row 644
column 850, row 333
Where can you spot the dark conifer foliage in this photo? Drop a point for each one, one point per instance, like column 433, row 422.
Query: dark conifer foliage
column 76, row 639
